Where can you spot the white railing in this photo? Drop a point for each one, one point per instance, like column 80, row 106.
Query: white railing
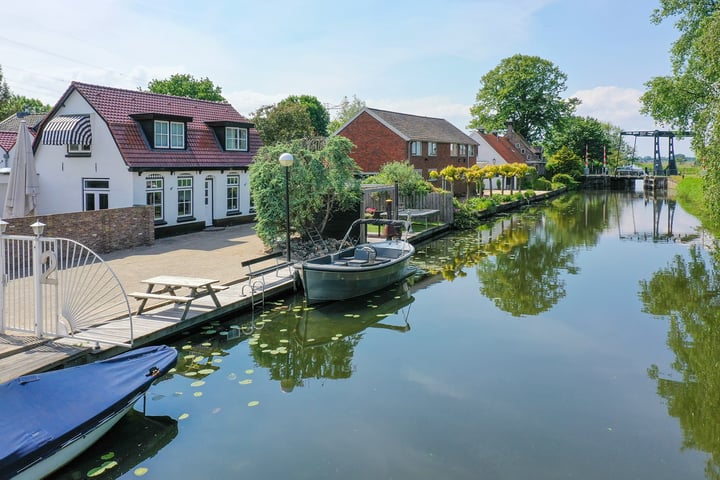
column 58, row 287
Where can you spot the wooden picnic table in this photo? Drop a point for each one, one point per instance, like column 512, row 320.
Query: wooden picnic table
column 164, row 287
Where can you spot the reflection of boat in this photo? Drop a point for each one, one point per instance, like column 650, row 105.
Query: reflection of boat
column 340, row 319
column 49, row 418
column 134, row 439
column 357, row 270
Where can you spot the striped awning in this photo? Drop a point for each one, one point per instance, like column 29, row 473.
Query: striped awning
column 68, row 129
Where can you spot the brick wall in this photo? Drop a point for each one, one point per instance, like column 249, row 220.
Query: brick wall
column 375, row 144
column 102, row 231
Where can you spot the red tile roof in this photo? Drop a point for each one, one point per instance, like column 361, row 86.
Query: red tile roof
column 504, row 148
column 115, row 106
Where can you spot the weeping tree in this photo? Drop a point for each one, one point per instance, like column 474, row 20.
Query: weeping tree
column 321, row 182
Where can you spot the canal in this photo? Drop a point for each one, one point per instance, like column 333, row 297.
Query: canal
column 577, row 339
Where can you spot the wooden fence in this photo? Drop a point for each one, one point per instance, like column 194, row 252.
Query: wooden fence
column 378, row 197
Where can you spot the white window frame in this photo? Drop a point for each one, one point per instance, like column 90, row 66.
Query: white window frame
column 154, row 195
column 236, row 139
column 98, row 193
column 162, row 134
column 416, row 148
column 170, row 135
column 233, row 194
column 177, row 135
column 78, row 149
column 432, row 149
column 463, row 150
column 453, row 149
column 184, row 196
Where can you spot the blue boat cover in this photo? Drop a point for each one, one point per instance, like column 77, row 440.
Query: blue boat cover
column 39, row 413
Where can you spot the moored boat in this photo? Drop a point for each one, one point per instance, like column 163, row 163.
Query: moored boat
column 48, row 419
column 360, row 269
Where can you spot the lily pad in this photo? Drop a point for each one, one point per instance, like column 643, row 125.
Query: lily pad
column 97, row 471
column 198, row 383
column 183, row 416
column 253, row 403
column 108, row 456
column 197, row 394
column 247, row 381
column 190, row 373
column 186, row 347
column 206, row 371
column 140, row 471
column 249, row 371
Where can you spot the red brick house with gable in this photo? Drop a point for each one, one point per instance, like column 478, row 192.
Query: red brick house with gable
column 381, row 137
column 102, row 147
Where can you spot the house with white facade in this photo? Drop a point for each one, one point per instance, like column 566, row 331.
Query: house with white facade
column 102, row 147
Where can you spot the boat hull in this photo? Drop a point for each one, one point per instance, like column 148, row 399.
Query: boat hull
column 49, row 418
column 325, row 280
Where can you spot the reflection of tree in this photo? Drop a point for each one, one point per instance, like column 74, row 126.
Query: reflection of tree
column 686, row 292
column 526, row 281
column 298, row 342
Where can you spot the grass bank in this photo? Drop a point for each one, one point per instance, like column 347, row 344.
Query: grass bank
column 689, row 192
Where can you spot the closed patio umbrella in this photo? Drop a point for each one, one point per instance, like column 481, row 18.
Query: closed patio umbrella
column 23, row 187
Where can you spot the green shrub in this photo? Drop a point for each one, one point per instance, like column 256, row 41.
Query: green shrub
column 566, row 180
column 530, row 193
column 542, row 183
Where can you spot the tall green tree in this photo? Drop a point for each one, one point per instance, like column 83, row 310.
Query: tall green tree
column 185, row 85
column 347, row 110
column 282, row 123
column 4, row 92
column 578, row 132
column 292, row 118
column 319, row 116
column 689, row 99
column 321, row 182
column 526, row 90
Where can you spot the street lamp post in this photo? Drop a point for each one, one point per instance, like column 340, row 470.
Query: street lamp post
column 286, row 160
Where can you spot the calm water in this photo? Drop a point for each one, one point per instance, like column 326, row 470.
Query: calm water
column 577, row 340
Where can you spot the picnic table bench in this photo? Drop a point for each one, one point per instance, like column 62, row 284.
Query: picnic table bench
column 169, row 284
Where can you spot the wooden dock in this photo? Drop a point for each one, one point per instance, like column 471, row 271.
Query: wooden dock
column 25, row 354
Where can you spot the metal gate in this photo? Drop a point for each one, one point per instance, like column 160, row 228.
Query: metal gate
column 58, row 287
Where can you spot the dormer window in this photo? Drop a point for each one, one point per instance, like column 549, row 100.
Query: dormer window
column 169, row 134
column 163, row 131
column 236, row 139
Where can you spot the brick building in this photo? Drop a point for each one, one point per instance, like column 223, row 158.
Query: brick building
column 381, row 137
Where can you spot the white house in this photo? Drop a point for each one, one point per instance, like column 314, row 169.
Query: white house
column 103, row 147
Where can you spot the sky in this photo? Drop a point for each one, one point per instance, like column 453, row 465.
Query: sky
column 418, row 57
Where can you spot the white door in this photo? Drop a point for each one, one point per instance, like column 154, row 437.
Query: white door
column 208, row 202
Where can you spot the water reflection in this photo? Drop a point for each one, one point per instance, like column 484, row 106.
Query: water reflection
column 133, row 440
column 686, row 293
column 297, row 342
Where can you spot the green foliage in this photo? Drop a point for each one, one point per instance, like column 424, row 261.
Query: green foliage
column 565, row 161
column 293, row 118
column 542, row 183
column 577, row 132
column 524, row 89
column 347, row 110
column 319, row 116
column 185, row 85
column 11, row 104
column 282, row 123
column 18, row 103
column 321, row 182
column 409, row 181
column 688, row 99
column 565, row 180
